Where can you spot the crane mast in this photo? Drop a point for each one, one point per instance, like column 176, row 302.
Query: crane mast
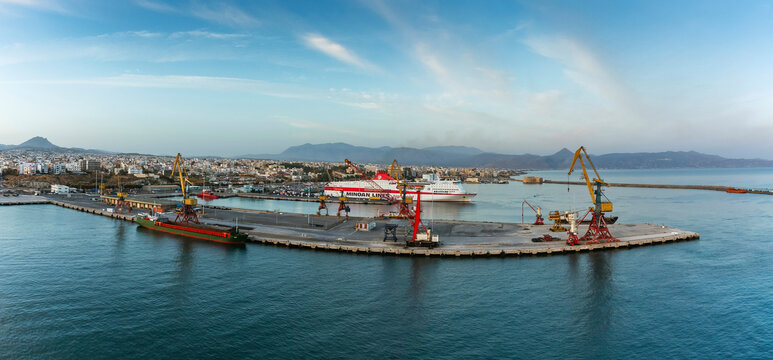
column 187, row 213
column 595, row 194
column 597, row 229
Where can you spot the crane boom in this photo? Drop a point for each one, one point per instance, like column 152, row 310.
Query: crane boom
column 595, row 196
column 369, row 180
column 187, row 213
column 597, row 229
column 178, row 167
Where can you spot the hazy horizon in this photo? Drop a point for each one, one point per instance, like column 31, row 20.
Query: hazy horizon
column 255, row 77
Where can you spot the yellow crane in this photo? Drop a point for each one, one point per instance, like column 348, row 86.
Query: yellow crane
column 187, row 213
column 121, row 204
column 395, row 172
column 597, row 229
column 595, row 195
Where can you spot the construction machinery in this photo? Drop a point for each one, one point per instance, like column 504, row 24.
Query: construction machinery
column 322, row 205
column 187, row 212
column 558, row 220
column 342, row 206
column 597, row 228
column 422, row 236
column 538, row 210
column 121, row 205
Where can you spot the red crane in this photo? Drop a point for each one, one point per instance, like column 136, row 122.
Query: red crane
column 538, row 211
column 421, row 235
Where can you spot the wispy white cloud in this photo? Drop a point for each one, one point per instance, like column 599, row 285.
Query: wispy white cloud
column 224, row 14
column 186, row 82
column 220, row 13
column 316, row 126
column 140, row 45
column 336, row 51
column 140, row 33
column 45, row 5
column 207, row 34
column 583, row 67
column 156, row 6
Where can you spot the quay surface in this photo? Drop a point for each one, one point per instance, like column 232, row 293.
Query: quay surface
column 22, row 200
column 457, row 238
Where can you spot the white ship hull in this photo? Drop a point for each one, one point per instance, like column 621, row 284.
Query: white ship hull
column 448, row 191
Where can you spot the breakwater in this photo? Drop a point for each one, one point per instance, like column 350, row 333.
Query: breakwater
column 661, row 186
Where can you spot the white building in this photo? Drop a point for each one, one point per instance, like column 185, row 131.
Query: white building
column 27, row 168
column 57, row 169
column 134, row 170
column 73, row 166
column 61, row 189
column 42, row 168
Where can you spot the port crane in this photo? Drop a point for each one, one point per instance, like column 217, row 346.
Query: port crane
column 121, row 204
column 323, row 198
column 385, row 194
column 395, row 172
column 421, row 235
column 538, row 211
column 187, row 213
column 597, row 229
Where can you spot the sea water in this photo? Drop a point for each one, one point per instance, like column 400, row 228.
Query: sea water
column 75, row 285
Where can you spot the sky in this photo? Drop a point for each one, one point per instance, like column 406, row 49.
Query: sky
column 255, row 77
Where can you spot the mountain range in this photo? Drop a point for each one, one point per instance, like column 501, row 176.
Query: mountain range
column 38, row 143
column 462, row 156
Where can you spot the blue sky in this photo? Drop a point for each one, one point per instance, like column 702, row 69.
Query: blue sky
column 238, row 77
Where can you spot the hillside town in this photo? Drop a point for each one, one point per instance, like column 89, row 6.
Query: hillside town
column 39, row 170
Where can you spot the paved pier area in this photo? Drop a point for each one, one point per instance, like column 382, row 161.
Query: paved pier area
column 457, row 238
column 22, row 200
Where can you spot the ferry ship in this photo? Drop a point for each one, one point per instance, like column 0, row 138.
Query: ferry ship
column 433, row 189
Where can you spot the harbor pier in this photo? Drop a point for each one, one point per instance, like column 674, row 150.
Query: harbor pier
column 457, row 238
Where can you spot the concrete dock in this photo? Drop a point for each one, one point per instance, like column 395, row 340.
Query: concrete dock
column 457, row 238
column 22, row 200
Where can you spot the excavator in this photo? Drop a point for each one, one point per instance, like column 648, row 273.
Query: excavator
column 597, row 228
column 187, row 213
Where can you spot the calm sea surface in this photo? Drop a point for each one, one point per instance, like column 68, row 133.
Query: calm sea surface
column 79, row 286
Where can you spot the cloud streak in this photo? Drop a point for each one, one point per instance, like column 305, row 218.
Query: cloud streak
column 45, row 5
column 223, row 14
column 336, row 51
column 583, row 67
column 212, row 83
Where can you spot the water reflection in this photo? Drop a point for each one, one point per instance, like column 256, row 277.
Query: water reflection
column 599, row 294
column 422, row 272
column 120, row 242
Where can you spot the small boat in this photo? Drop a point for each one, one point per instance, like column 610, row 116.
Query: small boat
column 207, row 195
column 607, row 219
column 736, row 191
column 230, row 236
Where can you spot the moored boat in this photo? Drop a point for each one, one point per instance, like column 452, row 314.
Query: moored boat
column 230, row 236
column 736, row 191
column 207, row 195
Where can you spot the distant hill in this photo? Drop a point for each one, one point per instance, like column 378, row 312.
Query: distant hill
column 461, row 156
column 38, row 143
